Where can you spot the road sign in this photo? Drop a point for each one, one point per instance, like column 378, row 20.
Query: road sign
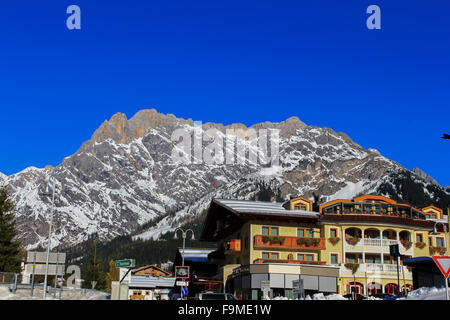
column 41, row 257
column 182, row 272
column 39, row 269
column 182, row 283
column 394, row 250
column 126, row 263
column 265, row 285
column 298, row 288
column 443, row 263
column 184, row 292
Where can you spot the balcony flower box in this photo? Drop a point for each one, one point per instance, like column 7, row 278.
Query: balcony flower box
column 290, row 243
column 334, row 240
column 406, row 244
column 420, row 245
column 352, row 241
column 308, row 242
column 437, row 250
column 352, row 266
column 273, row 240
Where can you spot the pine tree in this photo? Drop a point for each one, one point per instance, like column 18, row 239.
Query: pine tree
column 10, row 249
column 94, row 272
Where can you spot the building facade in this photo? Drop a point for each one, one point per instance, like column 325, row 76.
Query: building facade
column 347, row 241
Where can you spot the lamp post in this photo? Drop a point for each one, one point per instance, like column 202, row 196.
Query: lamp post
column 446, row 249
column 49, row 239
column 184, row 235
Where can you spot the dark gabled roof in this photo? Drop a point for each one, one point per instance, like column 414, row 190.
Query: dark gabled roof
column 237, row 212
column 263, row 208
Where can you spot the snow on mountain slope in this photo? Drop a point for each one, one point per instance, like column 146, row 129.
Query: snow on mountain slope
column 124, row 176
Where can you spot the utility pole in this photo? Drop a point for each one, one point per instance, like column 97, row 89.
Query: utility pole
column 184, row 235
column 49, row 242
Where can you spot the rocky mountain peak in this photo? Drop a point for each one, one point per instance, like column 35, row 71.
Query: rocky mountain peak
column 425, row 176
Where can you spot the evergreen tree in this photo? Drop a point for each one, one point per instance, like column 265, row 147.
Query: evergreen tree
column 10, row 249
column 94, row 272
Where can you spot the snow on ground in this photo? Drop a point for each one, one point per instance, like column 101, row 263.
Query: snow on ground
column 419, row 294
column 24, row 294
column 427, row 294
column 317, row 296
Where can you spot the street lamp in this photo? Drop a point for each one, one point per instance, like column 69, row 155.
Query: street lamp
column 49, row 238
column 184, row 235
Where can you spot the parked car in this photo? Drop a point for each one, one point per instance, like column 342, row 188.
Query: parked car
column 215, row 296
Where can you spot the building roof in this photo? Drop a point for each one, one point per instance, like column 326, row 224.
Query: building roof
column 261, row 207
column 151, row 282
column 225, row 216
column 150, row 267
column 195, row 254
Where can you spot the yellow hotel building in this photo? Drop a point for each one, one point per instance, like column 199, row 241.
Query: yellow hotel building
column 343, row 247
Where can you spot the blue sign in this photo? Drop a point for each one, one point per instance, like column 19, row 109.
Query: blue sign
column 184, row 291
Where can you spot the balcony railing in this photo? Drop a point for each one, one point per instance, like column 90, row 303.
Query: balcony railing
column 378, row 267
column 289, row 261
column 385, row 267
column 379, row 242
column 291, row 243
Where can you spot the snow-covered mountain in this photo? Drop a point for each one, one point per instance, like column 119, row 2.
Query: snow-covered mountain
column 124, row 176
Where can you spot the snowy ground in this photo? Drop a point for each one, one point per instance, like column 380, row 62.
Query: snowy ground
column 427, row 294
column 24, row 294
column 419, row 294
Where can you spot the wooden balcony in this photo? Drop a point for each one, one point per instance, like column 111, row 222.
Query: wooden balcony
column 322, row 263
column 288, row 243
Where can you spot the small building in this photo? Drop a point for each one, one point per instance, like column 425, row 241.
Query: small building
column 144, row 283
column 150, row 288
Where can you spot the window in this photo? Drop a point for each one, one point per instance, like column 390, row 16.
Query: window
column 305, row 257
column 334, row 258
column 300, row 207
column 271, row 255
column 419, row 237
column 270, row 231
column 333, row 233
column 439, row 242
column 302, row 233
column 351, row 259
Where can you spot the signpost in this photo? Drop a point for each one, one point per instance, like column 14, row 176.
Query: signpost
column 265, row 288
column 37, row 264
column 126, row 263
column 298, row 288
column 182, row 283
column 182, row 272
column 395, row 252
column 443, row 263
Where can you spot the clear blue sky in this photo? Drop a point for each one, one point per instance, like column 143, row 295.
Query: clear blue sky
column 227, row 61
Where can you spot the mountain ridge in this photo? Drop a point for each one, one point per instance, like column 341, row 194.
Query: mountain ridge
column 124, row 177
